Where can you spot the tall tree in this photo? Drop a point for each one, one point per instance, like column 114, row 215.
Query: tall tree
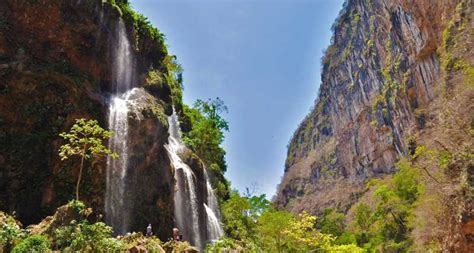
column 86, row 140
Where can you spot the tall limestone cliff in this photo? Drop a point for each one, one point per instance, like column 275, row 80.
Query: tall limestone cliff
column 56, row 65
column 385, row 78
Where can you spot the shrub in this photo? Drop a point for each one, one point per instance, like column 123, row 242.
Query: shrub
column 406, row 182
column 77, row 206
column 10, row 232
column 225, row 244
column 34, row 243
column 349, row 248
column 152, row 243
column 331, row 222
column 86, row 237
column 178, row 247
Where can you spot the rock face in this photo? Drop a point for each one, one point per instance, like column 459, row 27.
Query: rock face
column 397, row 82
column 380, row 69
column 55, row 66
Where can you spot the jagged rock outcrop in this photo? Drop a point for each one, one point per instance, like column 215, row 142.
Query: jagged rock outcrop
column 56, row 66
column 381, row 67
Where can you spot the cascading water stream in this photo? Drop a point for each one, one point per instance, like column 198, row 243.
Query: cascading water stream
column 116, row 208
column 197, row 218
column 214, row 229
column 185, row 200
column 186, row 203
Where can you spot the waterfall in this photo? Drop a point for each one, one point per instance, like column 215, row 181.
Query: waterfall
column 117, row 211
column 123, row 67
column 185, row 200
column 214, row 229
column 196, row 208
column 189, row 212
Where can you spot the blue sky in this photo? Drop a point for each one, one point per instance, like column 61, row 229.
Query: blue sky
column 262, row 58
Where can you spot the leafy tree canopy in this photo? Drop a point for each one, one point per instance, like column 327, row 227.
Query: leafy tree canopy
column 85, row 139
column 252, row 224
column 205, row 139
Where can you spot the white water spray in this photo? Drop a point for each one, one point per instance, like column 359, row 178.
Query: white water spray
column 198, row 227
column 214, row 229
column 116, row 209
column 185, row 200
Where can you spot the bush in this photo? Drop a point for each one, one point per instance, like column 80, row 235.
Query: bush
column 83, row 236
column 10, row 232
column 178, row 247
column 349, row 248
column 227, row 244
column 34, row 243
column 331, row 222
column 406, row 182
column 77, row 206
column 152, row 243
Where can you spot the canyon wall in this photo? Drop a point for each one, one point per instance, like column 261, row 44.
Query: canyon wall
column 387, row 63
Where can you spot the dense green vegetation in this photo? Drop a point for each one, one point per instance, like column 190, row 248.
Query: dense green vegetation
column 381, row 222
column 34, row 243
column 206, row 136
column 10, row 232
column 72, row 229
column 253, row 225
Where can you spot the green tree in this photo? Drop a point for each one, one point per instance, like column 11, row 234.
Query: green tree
column 363, row 217
column 304, row 237
column 391, row 213
column 272, row 234
column 236, row 215
column 384, row 224
column 207, row 132
column 213, row 109
column 86, row 140
column 331, row 222
column 205, row 138
column 253, row 225
column 258, row 205
column 406, row 182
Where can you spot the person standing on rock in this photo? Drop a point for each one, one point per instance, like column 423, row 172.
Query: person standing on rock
column 149, row 231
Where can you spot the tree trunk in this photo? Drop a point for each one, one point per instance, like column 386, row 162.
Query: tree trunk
column 80, row 172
